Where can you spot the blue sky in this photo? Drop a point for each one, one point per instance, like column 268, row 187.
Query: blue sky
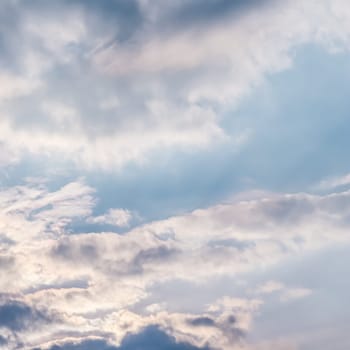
column 174, row 174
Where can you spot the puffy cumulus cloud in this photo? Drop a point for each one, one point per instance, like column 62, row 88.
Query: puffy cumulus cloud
column 239, row 236
column 115, row 217
column 123, row 79
column 97, row 285
column 88, row 280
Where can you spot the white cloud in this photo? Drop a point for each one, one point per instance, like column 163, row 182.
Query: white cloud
column 270, row 287
column 115, row 217
column 70, row 94
column 296, row 293
column 94, row 280
column 334, row 182
column 158, row 90
column 285, row 293
column 13, row 86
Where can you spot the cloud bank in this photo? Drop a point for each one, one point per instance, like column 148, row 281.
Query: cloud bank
column 100, row 282
column 122, row 80
column 124, row 109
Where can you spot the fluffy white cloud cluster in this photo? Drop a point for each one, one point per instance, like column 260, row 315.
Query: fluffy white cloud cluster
column 95, row 282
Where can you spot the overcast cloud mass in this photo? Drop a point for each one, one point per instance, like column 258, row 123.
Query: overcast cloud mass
column 174, row 174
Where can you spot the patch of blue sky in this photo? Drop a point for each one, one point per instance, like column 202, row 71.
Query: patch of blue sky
column 299, row 121
column 299, row 124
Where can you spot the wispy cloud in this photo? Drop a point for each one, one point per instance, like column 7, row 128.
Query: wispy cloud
column 172, row 86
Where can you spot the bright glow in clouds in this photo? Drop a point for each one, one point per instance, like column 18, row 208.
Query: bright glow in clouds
column 97, row 98
column 91, row 281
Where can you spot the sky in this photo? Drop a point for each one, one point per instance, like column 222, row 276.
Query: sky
column 174, row 174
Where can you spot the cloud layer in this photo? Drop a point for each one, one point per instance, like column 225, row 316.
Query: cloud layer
column 100, row 282
column 114, row 115
column 121, row 80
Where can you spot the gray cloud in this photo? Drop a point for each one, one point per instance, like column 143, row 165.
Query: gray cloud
column 158, row 255
column 103, row 84
column 226, row 325
column 202, row 321
column 118, row 62
column 139, row 262
column 3, row 340
column 83, row 345
column 149, row 339
column 195, row 12
column 7, row 262
column 18, row 316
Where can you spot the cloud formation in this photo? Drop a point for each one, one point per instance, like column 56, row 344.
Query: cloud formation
column 119, row 64
column 92, row 281
column 150, row 338
column 98, row 98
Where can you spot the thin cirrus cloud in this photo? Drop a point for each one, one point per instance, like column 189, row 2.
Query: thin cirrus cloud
column 123, row 89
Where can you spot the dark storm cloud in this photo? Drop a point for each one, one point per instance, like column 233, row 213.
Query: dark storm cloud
column 150, row 338
column 17, row 316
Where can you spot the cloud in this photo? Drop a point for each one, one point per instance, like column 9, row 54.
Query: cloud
column 93, row 280
column 115, row 217
column 84, row 345
column 17, row 316
column 128, row 82
column 270, row 287
column 335, row 182
column 296, row 293
column 202, row 322
column 150, row 338
column 3, row 341
column 129, row 52
column 285, row 293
